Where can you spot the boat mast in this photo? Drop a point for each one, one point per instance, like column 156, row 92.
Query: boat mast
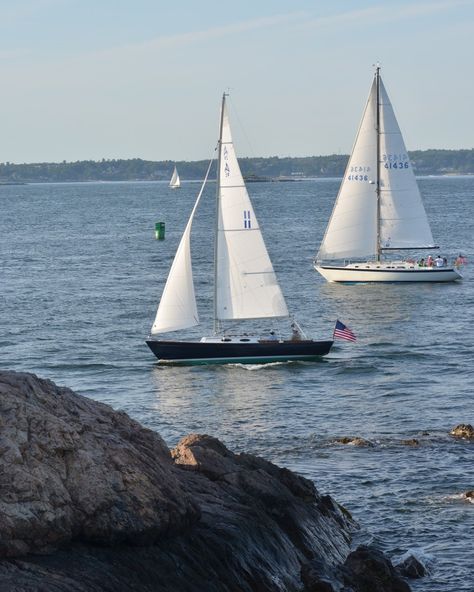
column 377, row 127
column 218, row 185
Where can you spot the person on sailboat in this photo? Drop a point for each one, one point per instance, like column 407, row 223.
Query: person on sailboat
column 295, row 333
column 439, row 261
column 429, row 261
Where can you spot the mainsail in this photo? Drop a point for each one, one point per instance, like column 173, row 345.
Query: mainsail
column 355, row 229
column 246, row 284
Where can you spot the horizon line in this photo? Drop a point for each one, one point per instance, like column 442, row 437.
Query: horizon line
column 99, row 160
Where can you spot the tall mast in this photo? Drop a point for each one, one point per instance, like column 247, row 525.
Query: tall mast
column 377, row 127
column 218, row 186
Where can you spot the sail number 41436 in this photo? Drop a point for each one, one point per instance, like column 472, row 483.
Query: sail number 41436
column 396, row 165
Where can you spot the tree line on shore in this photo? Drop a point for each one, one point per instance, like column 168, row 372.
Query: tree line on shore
column 425, row 162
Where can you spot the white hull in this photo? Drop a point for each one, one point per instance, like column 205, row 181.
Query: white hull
column 390, row 273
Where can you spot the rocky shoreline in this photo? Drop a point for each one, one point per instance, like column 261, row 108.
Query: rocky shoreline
column 92, row 501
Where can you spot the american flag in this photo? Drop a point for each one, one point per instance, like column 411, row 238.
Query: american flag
column 343, row 332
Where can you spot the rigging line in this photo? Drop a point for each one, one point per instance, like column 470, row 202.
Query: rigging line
column 207, row 174
column 243, row 129
column 203, row 183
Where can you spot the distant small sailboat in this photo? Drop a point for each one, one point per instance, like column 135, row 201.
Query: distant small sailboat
column 245, row 284
column 175, row 183
column 378, row 208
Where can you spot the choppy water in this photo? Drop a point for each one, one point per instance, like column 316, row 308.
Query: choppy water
column 81, row 275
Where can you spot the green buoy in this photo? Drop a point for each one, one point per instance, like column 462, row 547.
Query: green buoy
column 160, row 230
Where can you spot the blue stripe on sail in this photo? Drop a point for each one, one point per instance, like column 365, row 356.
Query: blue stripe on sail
column 247, row 221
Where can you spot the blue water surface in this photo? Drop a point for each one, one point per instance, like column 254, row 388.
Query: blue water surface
column 81, row 276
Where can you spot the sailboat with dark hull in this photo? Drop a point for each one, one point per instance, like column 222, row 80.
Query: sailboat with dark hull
column 237, row 350
column 379, row 209
column 245, row 284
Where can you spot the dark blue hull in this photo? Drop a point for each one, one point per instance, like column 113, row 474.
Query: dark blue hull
column 198, row 352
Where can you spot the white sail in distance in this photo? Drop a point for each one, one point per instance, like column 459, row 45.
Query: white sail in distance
column 246, row 284
column 175, row 181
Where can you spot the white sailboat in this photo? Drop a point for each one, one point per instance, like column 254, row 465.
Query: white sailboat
column 378, row 209
column 175, row 182
column 245, row 284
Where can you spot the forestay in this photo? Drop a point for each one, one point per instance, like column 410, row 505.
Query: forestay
column 246, row 284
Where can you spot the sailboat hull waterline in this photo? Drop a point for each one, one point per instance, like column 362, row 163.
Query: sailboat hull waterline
column 245, row 284
column 243, row 351
column 390, row 273
column 378, row 210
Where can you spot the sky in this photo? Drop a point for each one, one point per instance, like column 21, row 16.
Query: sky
column 93, row 79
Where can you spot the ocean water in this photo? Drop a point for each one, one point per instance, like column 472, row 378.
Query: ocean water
column 81, row 276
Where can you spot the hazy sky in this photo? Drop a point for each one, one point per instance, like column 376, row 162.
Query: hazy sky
column 92, row 79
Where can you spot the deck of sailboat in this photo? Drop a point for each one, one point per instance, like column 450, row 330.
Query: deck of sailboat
column 388, row 271
column 245, row 351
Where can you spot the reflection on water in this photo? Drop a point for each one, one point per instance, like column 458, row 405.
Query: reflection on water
column 379, row 303
column 200, row 396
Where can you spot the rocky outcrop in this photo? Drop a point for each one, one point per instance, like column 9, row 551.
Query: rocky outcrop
column 469, row 496
column 411, row 567
column 92, row 501
column 353, row 441
column 73, row 469
column 411, row 442
column 369, row 571
column 463, row 430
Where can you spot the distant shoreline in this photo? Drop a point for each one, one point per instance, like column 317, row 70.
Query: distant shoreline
column 259, row 169
column 196, row 181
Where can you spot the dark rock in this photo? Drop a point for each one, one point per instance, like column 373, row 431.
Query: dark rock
column 353, row 440
column 90, row 501
column 469, row 496
column 368, row 570
column 411, row 567
column 411, row 442
column 463, row 430
column 72, row 468
column 315, row 578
